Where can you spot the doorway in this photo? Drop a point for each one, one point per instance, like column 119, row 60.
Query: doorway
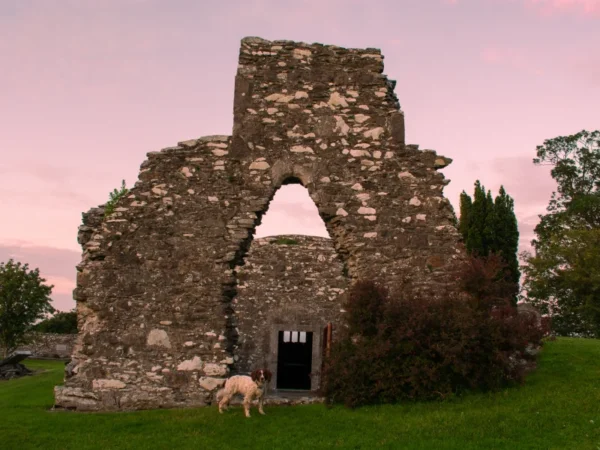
column 294, row 360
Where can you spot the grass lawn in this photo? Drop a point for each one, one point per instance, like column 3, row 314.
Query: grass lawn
column 557, row 408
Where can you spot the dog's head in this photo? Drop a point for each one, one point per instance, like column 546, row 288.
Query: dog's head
column 261, row 376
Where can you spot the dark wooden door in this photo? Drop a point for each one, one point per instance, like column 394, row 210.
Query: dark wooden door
column 294, row 362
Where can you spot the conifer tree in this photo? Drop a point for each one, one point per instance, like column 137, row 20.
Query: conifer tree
column 507, row 233
column 490, row 226
column 475, row 234
column 465, row 211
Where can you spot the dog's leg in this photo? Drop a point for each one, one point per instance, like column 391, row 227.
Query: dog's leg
column 260, row 405
column 219, row 398
column 224, row 403
column 228, row 400
column 247, row 403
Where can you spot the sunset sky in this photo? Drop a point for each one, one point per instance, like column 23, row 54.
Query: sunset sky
column 88, row 87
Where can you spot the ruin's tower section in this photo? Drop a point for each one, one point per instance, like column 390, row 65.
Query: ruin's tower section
column 157, row 289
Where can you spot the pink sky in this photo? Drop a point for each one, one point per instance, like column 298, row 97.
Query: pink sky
column 88, row 87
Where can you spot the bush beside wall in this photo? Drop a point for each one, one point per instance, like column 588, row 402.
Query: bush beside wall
column 408, row 348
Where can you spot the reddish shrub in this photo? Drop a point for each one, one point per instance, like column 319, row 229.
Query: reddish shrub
column 365, row 307
column 408, row 348
column 486, row 280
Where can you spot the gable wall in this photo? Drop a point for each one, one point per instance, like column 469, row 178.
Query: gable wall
column 158, row 281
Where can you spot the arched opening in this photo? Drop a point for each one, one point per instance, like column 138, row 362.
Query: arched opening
column 291, row 212
column 289, row 286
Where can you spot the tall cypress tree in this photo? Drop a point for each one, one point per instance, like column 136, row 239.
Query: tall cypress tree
column 475, row 236
column 465, row 211
column 507, row 234
column 489, row 225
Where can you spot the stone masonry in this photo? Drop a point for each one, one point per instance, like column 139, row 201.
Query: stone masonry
column 287, row 283
column 163, row 316
column 50, row 345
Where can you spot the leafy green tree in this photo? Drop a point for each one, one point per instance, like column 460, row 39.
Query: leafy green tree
column 564, row 281
column 24, row 298
column 576, row 169
column 490, row 227
column 563, row 277
column 60, row 323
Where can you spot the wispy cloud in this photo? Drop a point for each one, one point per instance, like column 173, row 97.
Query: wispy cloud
column 511, row 57
column 31, row 182
column 61, row 285
column 529, row 185
column 63, row 302
column 527, row 225
column 551, row 7
column 52, row 261
column 587, row 69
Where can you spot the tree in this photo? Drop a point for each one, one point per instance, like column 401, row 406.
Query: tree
column 490, row 227
column 475, row 236
column 563, row 277
column 564, row 281
column 465, row 212
column 506, row 233
column 576, row 169
column 60, row 323
column 24, row 298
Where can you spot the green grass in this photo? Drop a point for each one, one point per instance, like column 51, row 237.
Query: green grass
column 285, row 241
column 557, row 408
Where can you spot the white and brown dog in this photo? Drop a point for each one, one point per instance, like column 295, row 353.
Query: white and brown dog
column 250, row 387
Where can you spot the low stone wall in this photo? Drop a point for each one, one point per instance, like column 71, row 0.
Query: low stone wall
column 50, row 345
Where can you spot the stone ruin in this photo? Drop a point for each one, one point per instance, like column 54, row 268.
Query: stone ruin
column 169, row 301
column 49, row 345
column 11, row 367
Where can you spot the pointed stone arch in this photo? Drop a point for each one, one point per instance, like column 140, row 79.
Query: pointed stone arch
column 158, row 276
column 292, row 211
column 284, row 282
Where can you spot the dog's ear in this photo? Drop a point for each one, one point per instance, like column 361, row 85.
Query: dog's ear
column 255, row 375
column 268, row 374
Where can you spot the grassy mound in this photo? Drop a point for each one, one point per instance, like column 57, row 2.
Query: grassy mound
column 557, row 408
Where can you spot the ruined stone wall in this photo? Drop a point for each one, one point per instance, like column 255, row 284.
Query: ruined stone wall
column 50, row 345
column 158, row 278
column 150, row 288
column 329, row 117
column 288, row 283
